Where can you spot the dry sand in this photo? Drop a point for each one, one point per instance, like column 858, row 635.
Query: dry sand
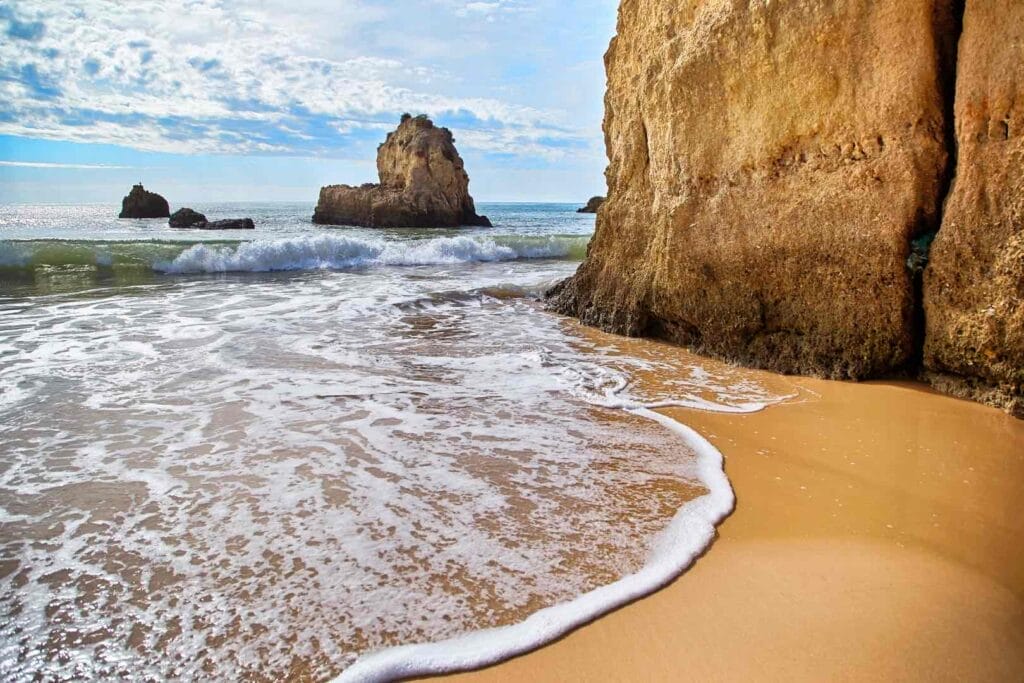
column 879, row 535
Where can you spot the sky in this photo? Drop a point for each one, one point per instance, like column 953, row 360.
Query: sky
column 225, row 100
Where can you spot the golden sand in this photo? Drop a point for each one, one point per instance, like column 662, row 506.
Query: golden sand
column 879, row 535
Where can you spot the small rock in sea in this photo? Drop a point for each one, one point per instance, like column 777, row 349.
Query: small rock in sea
column 592, row 206
column 187, row 218
column 141, row 203
column 231, row 224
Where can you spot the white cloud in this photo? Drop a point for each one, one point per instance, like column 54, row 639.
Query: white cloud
column 278, row 76
column 46, row 164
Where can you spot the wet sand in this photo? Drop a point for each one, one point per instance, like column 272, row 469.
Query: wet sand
column 878, row 536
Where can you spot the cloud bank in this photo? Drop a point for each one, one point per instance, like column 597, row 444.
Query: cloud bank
column 278, row 77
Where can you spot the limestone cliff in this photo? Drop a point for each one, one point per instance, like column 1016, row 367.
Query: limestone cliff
column 769, row 163
column 423, row 183
column 974, row 285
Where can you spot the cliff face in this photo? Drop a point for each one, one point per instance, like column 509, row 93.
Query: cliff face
column 974, row 285
column 423, row 183
column 769, row 165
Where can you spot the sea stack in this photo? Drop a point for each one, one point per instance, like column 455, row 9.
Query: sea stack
column 771, row 166
column 423, row 184
column 592, row 206
column 141, row 203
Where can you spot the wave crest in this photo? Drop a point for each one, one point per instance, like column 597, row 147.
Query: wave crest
column 313, row 252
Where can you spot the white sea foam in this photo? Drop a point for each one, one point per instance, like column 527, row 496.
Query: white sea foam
column 217, row 478
column 675, row 549
column 328, row 251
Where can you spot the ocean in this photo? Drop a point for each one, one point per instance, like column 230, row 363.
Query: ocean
column 298, row 453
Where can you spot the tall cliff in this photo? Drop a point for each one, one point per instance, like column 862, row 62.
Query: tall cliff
column 771, row 164
column 423, row 184
column 974, row 285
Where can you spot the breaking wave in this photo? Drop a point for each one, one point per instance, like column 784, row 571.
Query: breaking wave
column 314, row 252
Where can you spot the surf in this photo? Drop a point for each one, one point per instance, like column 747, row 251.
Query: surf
column 304, row 253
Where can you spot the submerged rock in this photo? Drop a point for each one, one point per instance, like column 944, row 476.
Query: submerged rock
column 189, row 219
column 974, row 284
column 141, row 203
column 186, row 218
column 423, row 183
column 592, row 206
column 769, row 164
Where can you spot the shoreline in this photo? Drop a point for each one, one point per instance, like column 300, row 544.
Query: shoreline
column 875, row 535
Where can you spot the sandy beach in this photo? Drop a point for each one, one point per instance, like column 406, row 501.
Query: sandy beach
column 877, row 536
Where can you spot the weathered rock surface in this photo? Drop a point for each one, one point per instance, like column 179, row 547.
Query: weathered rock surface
column 974, row 284
column 141, row 203
column 186, row 218
column 189, row 219
column 423, row 183
column 769, row 165
column 592, row 206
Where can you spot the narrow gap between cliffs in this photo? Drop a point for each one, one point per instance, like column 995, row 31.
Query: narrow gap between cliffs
column 924, row 235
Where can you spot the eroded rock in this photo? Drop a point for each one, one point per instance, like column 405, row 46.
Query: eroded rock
column 141, row 203
column 769, row 165
column 423, row 183
column 186, row 218
column 974, row 284
column 231, row 224
column 189, row 219
column 592, row 206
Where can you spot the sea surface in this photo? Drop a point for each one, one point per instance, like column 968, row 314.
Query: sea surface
column 266, row 455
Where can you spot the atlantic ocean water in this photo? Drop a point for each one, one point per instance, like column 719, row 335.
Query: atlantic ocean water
column 301, row 452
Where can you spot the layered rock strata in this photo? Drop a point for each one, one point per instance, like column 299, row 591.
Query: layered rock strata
column 140, row 203
column 974, row 284
column 423, row 184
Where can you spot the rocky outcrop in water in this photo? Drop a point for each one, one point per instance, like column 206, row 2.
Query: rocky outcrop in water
column 592, row 206
column 186, row 218
column 423, row 183
column 974, row 285
column 141, row 203
column 189, row 219
column 231, row 224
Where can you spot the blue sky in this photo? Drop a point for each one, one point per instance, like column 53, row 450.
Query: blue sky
column 207, row 100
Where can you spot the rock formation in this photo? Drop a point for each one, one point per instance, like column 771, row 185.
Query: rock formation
column 769, row 165
column 781, row 174
column 592, row 206
column 231, row 224
column 142, row 204
column 974, row 285
column 187, row 218
column 422, row 184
